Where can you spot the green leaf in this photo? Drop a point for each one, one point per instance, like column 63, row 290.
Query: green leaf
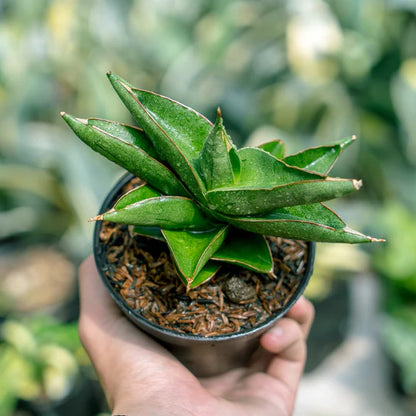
column 314, row 222
column 319, row 159
column 192, row 250
column 235, row 163
column 126, row 150
column 276, row 148
column 267, row 183
column 138, row 194
column 177, row 132
column 135, row 195
column 151, row 232
column 168, row 212
column 215, row 162
column 245, row 249
column 399, row 342
column 209, row 271
column 124, row 132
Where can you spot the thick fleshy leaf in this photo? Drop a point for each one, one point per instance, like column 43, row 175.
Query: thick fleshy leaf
column 152, row 232
column 215, row 162
column 209, row 271
column 130, row 148
column 314, row 222
column 245, row 249
column 192, row 250
column 129, row 134
column 276, row 148
column 166, row 211
column 267, row 183
column 319, row 159
column 177, row 132
column 140, row 193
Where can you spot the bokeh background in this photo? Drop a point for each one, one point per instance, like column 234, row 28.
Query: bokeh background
column 305, row 71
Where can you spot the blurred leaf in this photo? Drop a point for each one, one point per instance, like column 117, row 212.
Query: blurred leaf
column 399, row 339
column 404, row 98
column 18, row 177
column 392, row 259
column 38, row 359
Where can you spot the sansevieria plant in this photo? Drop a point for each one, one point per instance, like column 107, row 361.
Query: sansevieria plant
column 210, row 201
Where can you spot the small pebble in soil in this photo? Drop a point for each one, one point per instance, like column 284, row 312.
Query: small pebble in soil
column 238, row 291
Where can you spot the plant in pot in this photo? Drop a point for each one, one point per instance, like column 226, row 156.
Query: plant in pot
column 212, row 244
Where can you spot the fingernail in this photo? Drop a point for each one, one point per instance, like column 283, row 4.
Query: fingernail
column 276, row 332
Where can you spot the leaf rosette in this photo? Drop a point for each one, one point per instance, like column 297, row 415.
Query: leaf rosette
column 211, row 202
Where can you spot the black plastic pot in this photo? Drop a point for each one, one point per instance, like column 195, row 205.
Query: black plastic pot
column 203, row 356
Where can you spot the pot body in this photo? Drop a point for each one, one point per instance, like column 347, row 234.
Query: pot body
column 203, row 356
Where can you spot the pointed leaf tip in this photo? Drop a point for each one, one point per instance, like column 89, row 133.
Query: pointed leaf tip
column 191, row 251
column 377, row 240
column 97, row 218
column 367, row 237
column 347, row 142
column 266, row 183
column 320, row 159
column 215, row 160
column 130, row 148
column 176, row 131
column 357, row 184
column 168, row 212
column 62, row 113
column 114, row 78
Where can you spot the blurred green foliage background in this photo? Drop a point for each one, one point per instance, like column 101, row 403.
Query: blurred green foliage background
column 309, row 72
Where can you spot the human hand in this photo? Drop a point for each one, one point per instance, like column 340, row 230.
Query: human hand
column 139, row 377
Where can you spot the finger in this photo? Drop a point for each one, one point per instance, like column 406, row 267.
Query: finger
column 286, row 341
column 100, row 316
column 302, row 312
column 123, row 356
column 94, row 298
column 281, row 339
column 101, row 320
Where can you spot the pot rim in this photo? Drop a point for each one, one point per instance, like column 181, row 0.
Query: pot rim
column 145, row 324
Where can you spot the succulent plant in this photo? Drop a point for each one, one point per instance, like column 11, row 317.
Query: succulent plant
column 210, row 201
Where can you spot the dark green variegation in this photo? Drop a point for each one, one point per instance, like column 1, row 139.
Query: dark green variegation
column 209, row 201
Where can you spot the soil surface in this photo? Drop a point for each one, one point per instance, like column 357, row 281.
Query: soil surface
column 142, row 271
